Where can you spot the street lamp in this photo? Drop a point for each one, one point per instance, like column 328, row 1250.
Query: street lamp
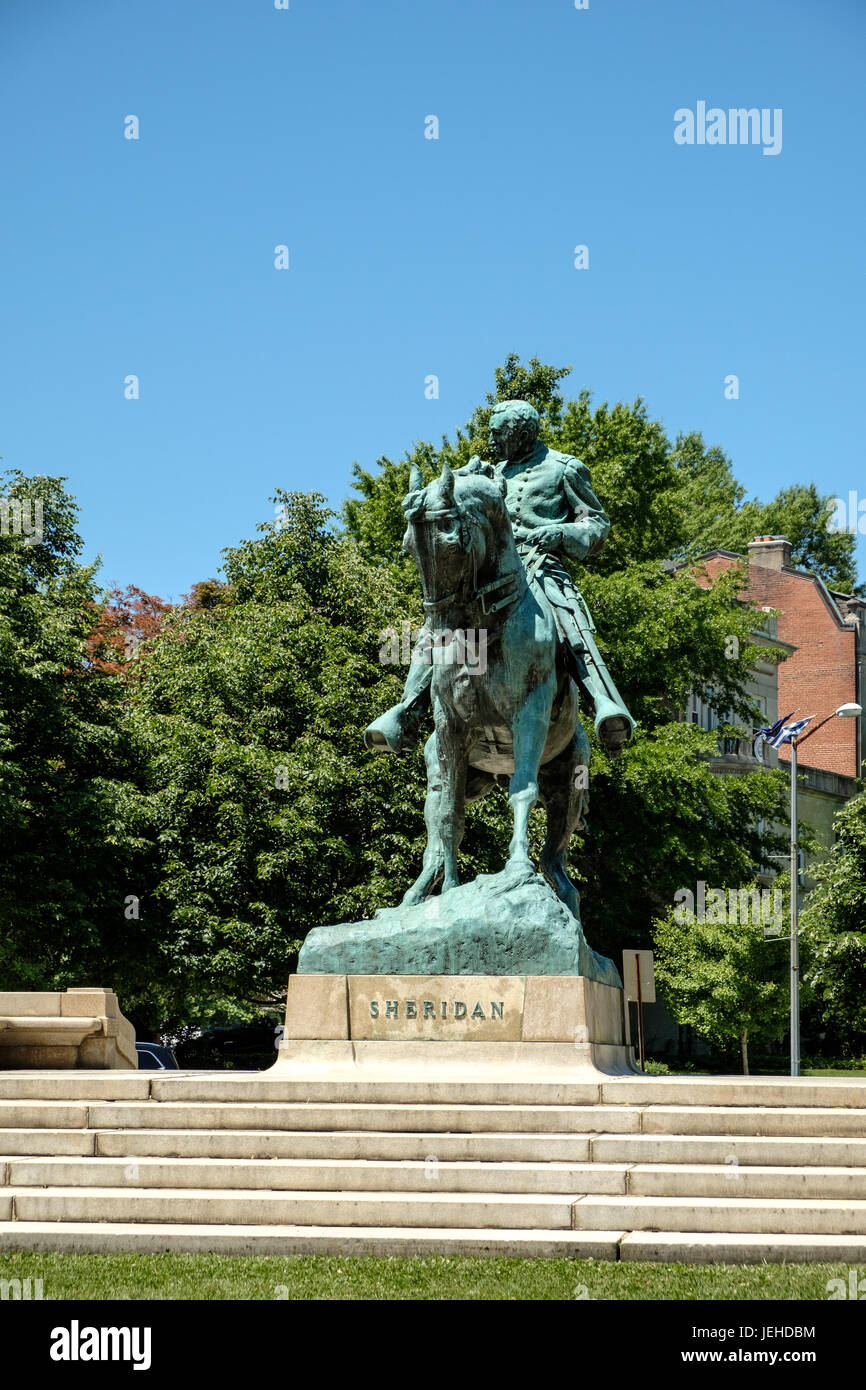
column 850, row 711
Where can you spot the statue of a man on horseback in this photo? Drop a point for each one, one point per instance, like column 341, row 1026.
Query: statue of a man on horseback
column 489, row 542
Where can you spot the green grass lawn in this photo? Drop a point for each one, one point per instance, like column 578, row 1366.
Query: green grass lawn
column 219, row 1277
column 834, row 1071
column 760, row 1069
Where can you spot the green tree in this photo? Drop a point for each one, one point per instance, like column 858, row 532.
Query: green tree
column 72, row 822
column 718, row 515
column 802, row 514
column 268, row 814
column 720, row 978
column 833, row 928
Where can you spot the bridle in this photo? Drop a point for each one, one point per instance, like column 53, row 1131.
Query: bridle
column 479, row 592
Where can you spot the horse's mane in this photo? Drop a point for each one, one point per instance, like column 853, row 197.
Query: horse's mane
column 477, row 486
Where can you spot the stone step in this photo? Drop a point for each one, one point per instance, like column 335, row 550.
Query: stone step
column 794, row 1121
column 237, row 1208
column 76, row 1084
column 772, row 1150
column 109, row 1237
column 442, row 1210
column 432, row 1175
column 42, row 1114
column 80, row 1085
column 688, row 1247
column 537, row 1119
column 738, row 1091
column 739, row 1248
column 801, row 1091
column 57, row 1142
column 225, row 1087
column 721, row 1215
column 315, row 1175
column 480, row 1146
column 735, row 1182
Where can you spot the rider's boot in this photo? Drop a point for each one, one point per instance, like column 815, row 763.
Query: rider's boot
column 399, row 727
column 613, row 725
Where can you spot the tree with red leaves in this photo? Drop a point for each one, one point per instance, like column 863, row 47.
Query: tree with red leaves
column 129, row 617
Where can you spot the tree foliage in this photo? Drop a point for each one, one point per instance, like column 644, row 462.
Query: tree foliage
column 721, row 978
column 268, row 816
column 833, row 927
column 72, row 823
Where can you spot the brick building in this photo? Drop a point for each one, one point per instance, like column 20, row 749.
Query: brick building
column 823, row 636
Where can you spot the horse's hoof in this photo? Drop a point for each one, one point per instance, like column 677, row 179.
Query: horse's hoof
column 519, row 859
column 519, row 869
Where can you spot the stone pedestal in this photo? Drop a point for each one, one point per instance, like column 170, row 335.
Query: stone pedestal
column 466, row 1025
column 76, row 1028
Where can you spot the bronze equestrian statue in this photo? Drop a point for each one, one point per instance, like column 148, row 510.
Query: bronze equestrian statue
column 489, row 541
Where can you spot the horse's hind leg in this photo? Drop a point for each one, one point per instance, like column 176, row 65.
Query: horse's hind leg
column 562, row 785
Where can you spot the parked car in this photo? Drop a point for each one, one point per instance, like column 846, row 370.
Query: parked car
column 155, row 1057
column 247, row 1047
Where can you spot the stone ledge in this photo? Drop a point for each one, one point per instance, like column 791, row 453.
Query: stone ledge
column 82, row 1027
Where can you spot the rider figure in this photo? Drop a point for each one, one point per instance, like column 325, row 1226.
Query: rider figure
column 554, row 513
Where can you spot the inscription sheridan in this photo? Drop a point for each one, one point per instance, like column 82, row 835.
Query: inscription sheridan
column 454, row 1008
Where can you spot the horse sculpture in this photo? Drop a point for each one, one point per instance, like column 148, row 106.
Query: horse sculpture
column 519, row 718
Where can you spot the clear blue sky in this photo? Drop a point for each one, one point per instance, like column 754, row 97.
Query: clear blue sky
column 411, row 256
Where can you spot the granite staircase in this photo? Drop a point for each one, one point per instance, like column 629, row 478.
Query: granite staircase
column 696, row 1169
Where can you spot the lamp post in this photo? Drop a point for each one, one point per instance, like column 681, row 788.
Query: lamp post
column 850, row 711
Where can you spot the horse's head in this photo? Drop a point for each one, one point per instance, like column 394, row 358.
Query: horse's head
column 458, row 531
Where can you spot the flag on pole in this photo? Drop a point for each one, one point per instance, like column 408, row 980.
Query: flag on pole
column 767, row 734
column 771, row 730
column 789, row 731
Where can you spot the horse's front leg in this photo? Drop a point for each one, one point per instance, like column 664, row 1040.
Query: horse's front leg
column 431, row 871
column 529, row 733
column 453, row 739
